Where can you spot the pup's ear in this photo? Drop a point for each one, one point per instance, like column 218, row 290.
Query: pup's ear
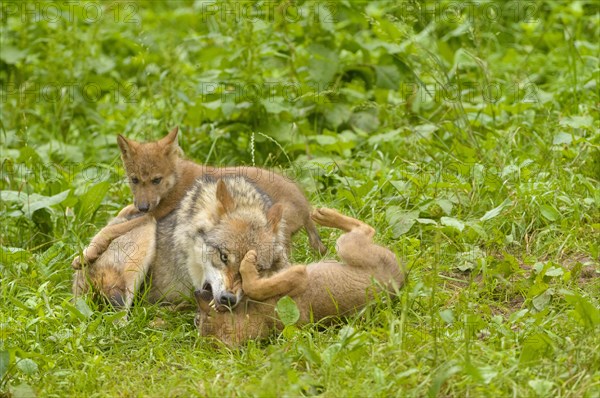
column 274, row 216
column 169, row 142
column 226, row 203
column 127, row 146
column 202, row 303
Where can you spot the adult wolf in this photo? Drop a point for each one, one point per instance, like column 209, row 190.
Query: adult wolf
column 216, row 224
column 159, row 178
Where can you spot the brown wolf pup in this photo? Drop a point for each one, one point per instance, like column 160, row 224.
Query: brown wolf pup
column 121, row 270
column 320, row 290
column 159, row 178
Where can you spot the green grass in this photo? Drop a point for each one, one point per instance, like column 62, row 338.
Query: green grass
column 470, row 143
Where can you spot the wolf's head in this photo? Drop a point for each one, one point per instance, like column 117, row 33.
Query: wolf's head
column 151, row 168
column 238, row 230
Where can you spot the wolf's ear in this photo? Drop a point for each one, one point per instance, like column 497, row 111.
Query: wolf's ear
column 169, row 142
column 274, row 216
column 226, row 203
column 126, row 146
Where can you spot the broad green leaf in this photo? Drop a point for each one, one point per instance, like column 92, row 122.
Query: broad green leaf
column 401, row 221
column 479, row 230
column 322, row 65
column 11, row 55
column 425, row 130
column 445, row 205
column 542, row 300
column 27, row 366
column 562, row 138
column 549, row 212
column 452, row 222
column 515, row 316
column 495, row 211
column 287, row 310
column 535, row 346
column 541, row 387
column 447, row 315
column 83, row 308
column 91, row 199
column 555, row 271
column 337, row 114
column 364, row 121
column 33, row 202
column 577, row 121
column 275, row 105
column 325, row 139
column 387, row 77
column 538, row 267
column 384, row 137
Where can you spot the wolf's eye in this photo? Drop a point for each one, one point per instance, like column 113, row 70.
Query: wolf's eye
column 223, row 258
column 135, row 180
column 156, row 180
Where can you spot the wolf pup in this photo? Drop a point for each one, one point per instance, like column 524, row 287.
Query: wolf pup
column 216, row 224
column 320, row 290
column 159, row 178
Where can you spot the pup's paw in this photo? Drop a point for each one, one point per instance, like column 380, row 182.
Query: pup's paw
column 76, row 264
column 128, row 211
column 326, row 217
column 91, row 254
column 248, row 264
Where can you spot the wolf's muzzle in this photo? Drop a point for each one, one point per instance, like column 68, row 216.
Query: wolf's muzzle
column 228, row 299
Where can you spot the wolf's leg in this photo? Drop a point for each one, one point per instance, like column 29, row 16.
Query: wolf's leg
column 313, row 236
column 138, row 256
column 128, row 211
column 291, row 281
column 100, row 242
column 356, row 247
column 334, row 219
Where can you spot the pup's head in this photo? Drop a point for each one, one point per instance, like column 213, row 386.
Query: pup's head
column 240, row 229
column 109, row 283
column 235, row 327
column 150, row 168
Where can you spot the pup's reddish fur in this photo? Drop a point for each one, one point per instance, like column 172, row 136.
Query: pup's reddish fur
column 320, row 290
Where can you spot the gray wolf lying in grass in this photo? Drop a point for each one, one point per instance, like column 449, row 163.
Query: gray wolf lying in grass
column 159, row 179
column 201, row 244
column 321, row 290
